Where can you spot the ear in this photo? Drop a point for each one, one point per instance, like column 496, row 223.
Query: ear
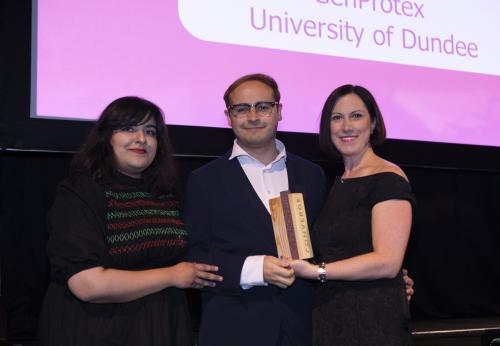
column 280, row 106
column 228, row 118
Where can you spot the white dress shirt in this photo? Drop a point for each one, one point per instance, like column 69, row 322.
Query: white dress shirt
column 267, row 181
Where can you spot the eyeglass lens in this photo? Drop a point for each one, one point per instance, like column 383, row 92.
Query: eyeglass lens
column 264, row 108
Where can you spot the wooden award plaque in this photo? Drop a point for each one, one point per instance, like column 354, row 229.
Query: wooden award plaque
column 291, row 231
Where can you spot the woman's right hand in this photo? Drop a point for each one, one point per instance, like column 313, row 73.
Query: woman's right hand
column 304, row 269
column 195, row 275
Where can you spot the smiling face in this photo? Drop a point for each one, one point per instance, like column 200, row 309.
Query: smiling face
column 351, row 126
column 134, row 147
column 254, row 131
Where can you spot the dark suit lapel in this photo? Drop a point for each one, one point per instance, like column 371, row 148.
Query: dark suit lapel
column 237, row 183
column 297, row 181
column 294, row 176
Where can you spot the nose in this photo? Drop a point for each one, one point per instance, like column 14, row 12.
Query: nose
column 346, row 125
column 252, row 114
column 141, row 137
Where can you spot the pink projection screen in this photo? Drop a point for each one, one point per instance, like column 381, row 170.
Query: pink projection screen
column 434, row 66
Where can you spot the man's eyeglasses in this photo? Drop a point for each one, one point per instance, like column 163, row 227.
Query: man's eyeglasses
column 262, row 108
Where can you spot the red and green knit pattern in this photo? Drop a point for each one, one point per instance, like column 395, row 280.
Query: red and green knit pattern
column 139, row 221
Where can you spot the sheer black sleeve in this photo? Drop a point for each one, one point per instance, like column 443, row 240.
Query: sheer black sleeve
column 76, row 228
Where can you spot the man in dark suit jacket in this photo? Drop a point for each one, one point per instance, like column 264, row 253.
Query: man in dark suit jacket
column 227, row 215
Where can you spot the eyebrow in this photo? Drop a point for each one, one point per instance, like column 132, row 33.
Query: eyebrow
column 249, row 104
column 355, row 111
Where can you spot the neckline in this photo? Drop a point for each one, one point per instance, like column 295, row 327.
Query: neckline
column 128, row 180
column 344, row 180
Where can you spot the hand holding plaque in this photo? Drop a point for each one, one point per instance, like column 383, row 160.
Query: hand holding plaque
column 291, row 230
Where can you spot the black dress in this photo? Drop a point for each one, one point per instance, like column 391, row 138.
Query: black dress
column 358, row 312
column 120, row 226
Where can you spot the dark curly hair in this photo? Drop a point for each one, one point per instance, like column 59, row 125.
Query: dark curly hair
column 96, row 157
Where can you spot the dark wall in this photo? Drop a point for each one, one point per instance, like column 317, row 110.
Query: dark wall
column 27, row 187
column 453, row 253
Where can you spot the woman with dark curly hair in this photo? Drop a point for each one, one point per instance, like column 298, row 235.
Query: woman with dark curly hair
column 117, row 240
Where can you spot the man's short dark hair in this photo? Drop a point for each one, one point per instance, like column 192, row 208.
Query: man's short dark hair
column 259, row 77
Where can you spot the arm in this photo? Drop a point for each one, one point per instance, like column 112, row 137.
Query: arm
column 78, row 254
column 101, row 285
column 391, row 223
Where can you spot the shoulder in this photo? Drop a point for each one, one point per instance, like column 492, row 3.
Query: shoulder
column 308, row 174
column 77, row 196
column 81, row 186
column 389, row 167
column 210, row 174
column 389, row 185
column 212, row 168
column 79, row 183
column 297, row 161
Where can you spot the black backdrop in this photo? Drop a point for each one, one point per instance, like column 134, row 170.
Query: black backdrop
column 453, row 253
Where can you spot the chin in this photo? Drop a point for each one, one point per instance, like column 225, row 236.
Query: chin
column 348, row 151
column 138, row 169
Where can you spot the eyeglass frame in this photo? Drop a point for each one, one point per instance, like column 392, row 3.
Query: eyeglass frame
column 252, row 106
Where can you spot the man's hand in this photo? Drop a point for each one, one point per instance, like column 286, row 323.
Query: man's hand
column 278, row 272
column 409, row 284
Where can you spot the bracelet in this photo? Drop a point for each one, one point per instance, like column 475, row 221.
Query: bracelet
column 322, row 273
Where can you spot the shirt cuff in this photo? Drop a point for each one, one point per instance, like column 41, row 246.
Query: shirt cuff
column 252, row 273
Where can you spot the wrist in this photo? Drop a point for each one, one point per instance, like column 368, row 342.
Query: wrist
column 172, row 275
column 322, row 272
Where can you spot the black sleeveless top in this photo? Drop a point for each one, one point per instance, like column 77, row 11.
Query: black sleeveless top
column 373, row 312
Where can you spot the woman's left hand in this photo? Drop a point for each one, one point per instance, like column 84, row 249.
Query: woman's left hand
column 409, row 284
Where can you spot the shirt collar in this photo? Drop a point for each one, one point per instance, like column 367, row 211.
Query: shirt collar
column 239, row 152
